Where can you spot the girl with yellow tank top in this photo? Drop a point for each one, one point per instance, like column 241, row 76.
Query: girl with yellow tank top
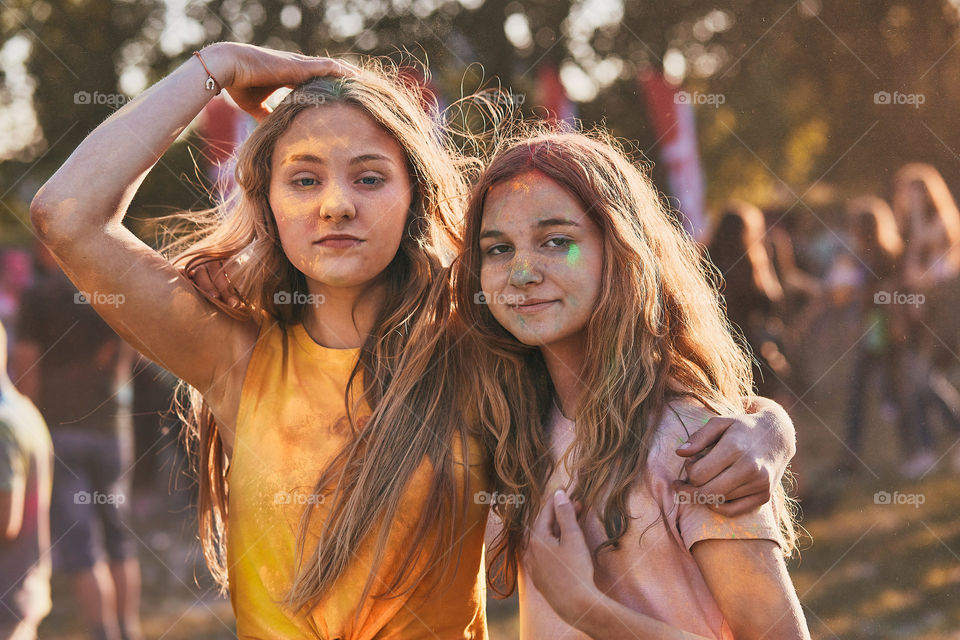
column 429, row 535
column 334, row 500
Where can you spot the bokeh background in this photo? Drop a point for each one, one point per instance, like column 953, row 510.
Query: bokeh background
column 796, row 107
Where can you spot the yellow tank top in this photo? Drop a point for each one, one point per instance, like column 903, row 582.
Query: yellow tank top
column 286, row 433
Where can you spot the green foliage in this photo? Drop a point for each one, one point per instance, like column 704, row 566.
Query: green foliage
column 798, row 80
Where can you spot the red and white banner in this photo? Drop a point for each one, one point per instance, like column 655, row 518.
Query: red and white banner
column 671, row 113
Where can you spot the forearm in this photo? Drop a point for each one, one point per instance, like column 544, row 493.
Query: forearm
column 96, row 183
column 605, row 618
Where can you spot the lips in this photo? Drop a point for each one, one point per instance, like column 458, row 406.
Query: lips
column 338, row 241
column 533, row 305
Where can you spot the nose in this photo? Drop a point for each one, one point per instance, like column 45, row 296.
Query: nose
column 523, row 271
column 336, row 205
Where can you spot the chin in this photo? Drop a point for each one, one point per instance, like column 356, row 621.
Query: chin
column 340, row 280
column 340, row 274
column 531, row 337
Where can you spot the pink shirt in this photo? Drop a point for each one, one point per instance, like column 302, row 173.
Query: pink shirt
column 657, row 576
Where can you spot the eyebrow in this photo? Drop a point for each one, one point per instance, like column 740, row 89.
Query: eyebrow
column 549, row 222
column 309, row 157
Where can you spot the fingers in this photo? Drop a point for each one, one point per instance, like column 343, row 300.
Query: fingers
column 566, row 517
column 571, row 535
column 732, row 481
column 306, row 67
column 311, row 66
column 738, row 507
column 544, row 527
column 200, row 278
column 708, row 436
column 225, row 288
column 336, row 67
column 717, row 460
column 731, row 487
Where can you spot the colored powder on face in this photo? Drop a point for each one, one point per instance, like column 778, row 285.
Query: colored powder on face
column 573, row 255
column 523, row 269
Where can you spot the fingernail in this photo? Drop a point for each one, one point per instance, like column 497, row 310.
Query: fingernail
column 685, row 445
column 561, row 497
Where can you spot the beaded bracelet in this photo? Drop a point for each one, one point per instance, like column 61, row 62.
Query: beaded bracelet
column 212, row 82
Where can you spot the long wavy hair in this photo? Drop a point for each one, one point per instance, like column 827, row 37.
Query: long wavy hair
column 658, row 330
column 872, row 224
column 738, row 249
column 933, row 237
column 372, row 473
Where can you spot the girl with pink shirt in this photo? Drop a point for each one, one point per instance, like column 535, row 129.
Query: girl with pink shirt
column 607, row 347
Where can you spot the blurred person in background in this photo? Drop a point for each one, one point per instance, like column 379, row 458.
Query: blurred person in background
column 752, row 293
column 26, row 474
column 160, row 478
column 802, row 292
column 874, row 267
column 928, row 219
column 16, row 273
column 70, row 363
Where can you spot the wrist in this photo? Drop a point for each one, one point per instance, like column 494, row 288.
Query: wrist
column 582, row 608
column 219, row 60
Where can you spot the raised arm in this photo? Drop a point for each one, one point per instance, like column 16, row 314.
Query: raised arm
column 79, row 211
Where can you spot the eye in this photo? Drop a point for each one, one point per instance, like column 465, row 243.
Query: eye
column 496, row 249
column 370, row 181
column 304, row 182
column 562, row 242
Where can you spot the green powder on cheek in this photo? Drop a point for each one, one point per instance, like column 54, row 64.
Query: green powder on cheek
column 573, row 255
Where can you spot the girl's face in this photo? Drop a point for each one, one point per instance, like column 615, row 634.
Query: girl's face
column 542, row 258
column 340, row 193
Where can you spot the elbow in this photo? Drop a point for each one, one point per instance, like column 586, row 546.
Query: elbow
column 51, row 217
column 41, row 215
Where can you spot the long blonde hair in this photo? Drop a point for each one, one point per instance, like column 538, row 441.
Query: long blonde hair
column 658, row 326
column 392, row 444
column 941, row 210
column 872, row 219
